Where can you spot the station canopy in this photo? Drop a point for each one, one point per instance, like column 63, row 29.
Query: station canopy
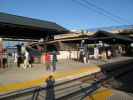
column 18, row 27
column 110, row 38
column 106, row 37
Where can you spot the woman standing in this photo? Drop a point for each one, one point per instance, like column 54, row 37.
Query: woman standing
column 47, row 60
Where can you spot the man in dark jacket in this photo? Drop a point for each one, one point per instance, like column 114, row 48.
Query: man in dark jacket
column 50, row 93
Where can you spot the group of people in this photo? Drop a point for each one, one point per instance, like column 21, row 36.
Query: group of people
column 23, row 57
column 50, row 60
column 83, row 56
column 103, row 54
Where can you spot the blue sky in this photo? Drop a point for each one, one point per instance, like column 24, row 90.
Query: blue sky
column 69, row 14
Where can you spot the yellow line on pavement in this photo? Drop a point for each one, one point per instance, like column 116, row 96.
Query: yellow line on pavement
column 57, row 75
column 100, row 95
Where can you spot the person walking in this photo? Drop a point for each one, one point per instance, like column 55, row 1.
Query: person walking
column 1, row 53
column 5, row 61
column 47, row 60
column 26, row 59
column 54, row 60
column 84, row 58
column 19, row 55
column 15, row 57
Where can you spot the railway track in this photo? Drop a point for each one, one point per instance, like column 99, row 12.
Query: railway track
column 110, row 72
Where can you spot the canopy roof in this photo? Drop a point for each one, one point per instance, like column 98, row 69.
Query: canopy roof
column 98, row 36
column 110, row 38
column 12, row 26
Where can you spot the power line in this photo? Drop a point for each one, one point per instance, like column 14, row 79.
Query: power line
column 105, row 11
column 95, row 10
column 91, row 7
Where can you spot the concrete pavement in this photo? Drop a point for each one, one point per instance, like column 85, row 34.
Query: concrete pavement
column 14, row 78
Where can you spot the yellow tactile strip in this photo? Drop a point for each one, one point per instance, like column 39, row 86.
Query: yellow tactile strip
column 57, row 75
column 100, row 95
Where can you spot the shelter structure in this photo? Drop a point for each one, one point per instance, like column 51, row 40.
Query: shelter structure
column 71, row 45
column 110, row 38
column 18, row 27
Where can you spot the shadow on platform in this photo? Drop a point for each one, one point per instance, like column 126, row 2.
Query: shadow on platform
column 120, row 74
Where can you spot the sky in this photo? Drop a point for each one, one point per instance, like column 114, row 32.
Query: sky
column 70, row 14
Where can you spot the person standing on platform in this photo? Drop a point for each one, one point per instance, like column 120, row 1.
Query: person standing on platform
column 31, row 59
column 5, row 58
column 23, row 53
column 19, row 56
column 96, row 53
column 50, row 88
column 15, row 55
column 1, row 53
column 108, row 54
column 84, row 57
column 54, row 60
column 26, row 59
column 47, row 60
column 81, row 55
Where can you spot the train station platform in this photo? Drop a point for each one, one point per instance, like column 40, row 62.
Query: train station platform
column 13, row 78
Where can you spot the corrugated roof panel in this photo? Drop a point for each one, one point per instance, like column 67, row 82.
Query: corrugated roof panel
column 19, row 20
